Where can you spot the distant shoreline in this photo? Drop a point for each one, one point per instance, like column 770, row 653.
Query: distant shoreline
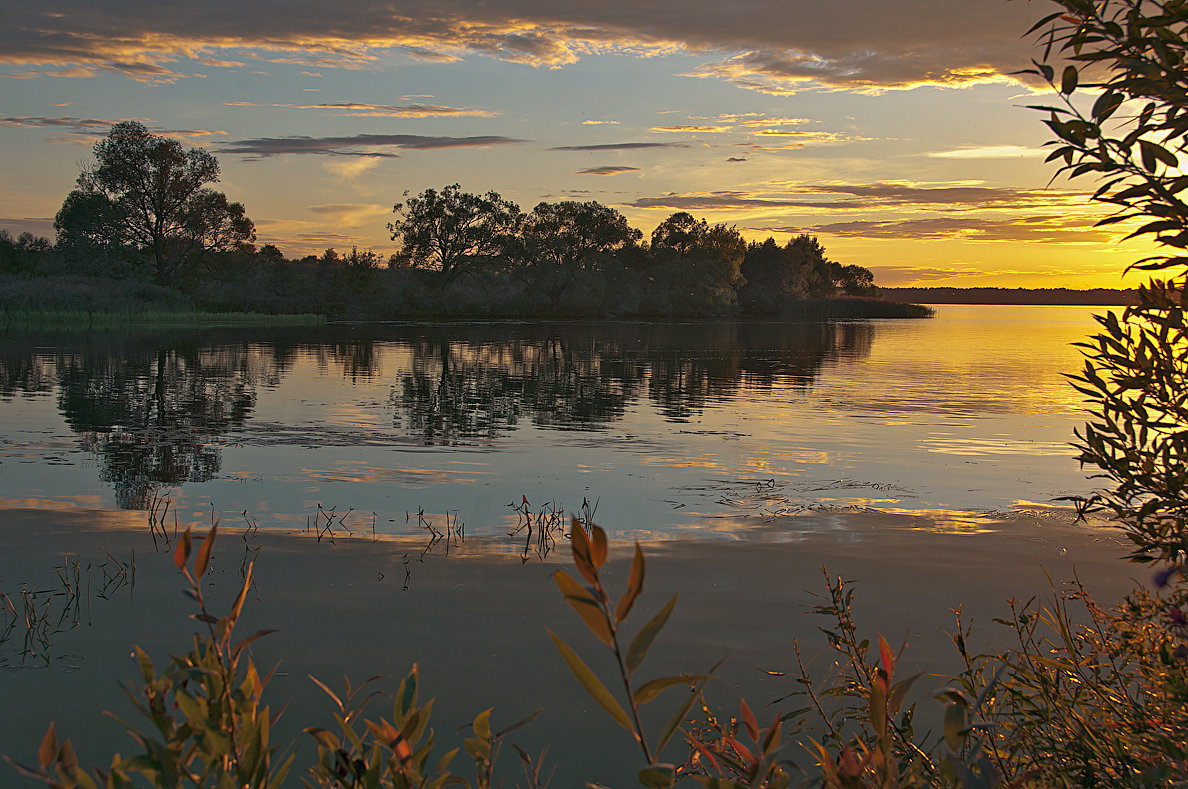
column 1095, row 297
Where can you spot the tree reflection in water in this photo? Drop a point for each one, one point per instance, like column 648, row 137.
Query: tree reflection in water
column 155, row 409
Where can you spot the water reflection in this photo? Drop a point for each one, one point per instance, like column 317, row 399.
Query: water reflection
column 582, row 377
column 155, row 410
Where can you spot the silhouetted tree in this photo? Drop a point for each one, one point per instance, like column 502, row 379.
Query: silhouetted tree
column 852, row 279
column 694, row 267
column 451, row 229
column 24, row 254
column 148, row 194
column 808, row 253
column 561, row 242
column 772, row 276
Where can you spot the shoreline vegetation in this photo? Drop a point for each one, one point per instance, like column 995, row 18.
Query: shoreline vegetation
column 1091, row 297
column 144, row 232
column 77, row 301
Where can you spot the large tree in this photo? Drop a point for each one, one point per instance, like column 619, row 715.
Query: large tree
column 147, row 193
column 695, row 267
column 560, row 243
column 451, row 230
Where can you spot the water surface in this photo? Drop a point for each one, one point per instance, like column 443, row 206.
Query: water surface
column 669, row 429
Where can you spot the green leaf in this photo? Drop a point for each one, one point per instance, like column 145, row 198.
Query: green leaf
column 182, row 552
column 592, row 684
column 325, row 739
column 635, row 582
column 954, row 726
column 676, row 720
column 47, row 752
column 598, row 545
column 203, row 559
column 1068, row 81
column 580, row 545
column 482, row 725
column 643, row 640
column 586, row 606
column 658, row 776
column 521, row 723
column 327, row 691
column 650, row 690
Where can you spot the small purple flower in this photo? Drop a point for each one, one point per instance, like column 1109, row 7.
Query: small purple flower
column 1163, row 576
column 1177, row 616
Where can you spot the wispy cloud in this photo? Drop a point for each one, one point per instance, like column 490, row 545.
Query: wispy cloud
column 372, row 145
column 91, row 127
column 67, row 124
column 877, row 196
column 363, row 110
column 351, row 214
column 620, row 146
column 608, row 170
column 988, row 152
column 691, row 128
column 599, row 123
column 1059, row 229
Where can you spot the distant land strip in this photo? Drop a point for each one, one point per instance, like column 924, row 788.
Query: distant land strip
column 1103, row 297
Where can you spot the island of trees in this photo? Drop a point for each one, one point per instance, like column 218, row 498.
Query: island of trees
column 144, row 227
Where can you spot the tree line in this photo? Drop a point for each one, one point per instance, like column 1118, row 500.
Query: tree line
column 144, row 210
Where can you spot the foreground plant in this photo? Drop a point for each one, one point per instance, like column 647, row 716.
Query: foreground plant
column 209, row 725
column 604, row 617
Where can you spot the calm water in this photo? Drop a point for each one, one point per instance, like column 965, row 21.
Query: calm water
column 692, row 437
column 667, row 429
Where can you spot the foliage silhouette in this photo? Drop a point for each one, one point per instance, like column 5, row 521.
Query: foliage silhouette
column 147, row 194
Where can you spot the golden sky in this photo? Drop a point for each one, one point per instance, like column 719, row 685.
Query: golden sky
column 895, row 132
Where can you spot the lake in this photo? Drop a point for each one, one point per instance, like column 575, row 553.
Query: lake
column 385, row 477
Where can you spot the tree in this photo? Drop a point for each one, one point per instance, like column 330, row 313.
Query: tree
column 852, row 279
column 148, row 194
column 695, row 267
column 1131, row 55
column 451, row 230
column 561, row 242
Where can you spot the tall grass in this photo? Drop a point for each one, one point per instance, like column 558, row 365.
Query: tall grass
column 16, row 319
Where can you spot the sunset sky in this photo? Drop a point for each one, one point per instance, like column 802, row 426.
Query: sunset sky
column 893, row 131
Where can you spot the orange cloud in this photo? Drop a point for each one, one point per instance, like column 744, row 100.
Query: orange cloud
column 881, row 46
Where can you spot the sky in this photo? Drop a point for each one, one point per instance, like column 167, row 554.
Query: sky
column 897, row 133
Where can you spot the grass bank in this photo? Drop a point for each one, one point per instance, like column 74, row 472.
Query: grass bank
column 842, row 307
column 17, row 319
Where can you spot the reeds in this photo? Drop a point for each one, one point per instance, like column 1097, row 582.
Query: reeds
column 35, row 616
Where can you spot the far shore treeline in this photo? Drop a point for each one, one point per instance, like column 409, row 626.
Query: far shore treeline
column 143, row 230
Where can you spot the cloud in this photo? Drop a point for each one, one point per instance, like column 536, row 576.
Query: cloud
column 92, row 127
column 725, row 200
column 598, row 123
column 736, row 159
column 370, row 145
column 67, row 124
column 620, row 146
column 867, row 45
column 348, row 168
column 361, row 110
column 877, row 196
column 1059, row 229
column 351, row 214
column 988, row 152
column 608, row 170
column 703, row 129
